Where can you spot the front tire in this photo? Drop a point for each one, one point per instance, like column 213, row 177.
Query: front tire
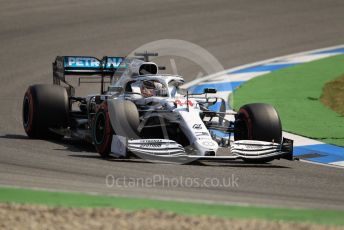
column 118, row 117
column 102, row 131
column 258, row 122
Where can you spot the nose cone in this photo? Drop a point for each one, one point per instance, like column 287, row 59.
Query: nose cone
column 205, row 146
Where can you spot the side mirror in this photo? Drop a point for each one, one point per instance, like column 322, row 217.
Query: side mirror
column 209, row 90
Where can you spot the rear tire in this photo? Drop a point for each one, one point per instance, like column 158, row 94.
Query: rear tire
column 258, row 122
column 45, row 107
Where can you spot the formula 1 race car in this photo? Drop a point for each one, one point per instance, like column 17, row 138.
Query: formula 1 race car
column 145, row 114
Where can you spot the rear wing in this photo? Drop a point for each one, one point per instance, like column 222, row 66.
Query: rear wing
column 85, row 65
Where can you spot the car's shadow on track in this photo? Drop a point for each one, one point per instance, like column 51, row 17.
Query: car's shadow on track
column 83, row 149
column 67, row 144
column 15, row 136
column 237, row 164
column 247, row 165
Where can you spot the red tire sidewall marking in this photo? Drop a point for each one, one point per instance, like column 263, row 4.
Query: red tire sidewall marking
column 108, row 129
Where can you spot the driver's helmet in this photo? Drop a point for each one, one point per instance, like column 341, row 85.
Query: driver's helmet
column 152, row 88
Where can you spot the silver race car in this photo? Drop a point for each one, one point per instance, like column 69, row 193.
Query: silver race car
column 145, row 114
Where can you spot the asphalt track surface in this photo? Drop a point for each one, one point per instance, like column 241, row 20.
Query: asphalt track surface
column 32, row 33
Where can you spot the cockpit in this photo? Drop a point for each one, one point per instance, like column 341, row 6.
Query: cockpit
column 154, row 87
column 149, row 88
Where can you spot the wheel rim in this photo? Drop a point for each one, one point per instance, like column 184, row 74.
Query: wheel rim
column 241, row 130
column 100, row 125
column 26, row 112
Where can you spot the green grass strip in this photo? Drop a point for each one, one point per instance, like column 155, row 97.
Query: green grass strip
column 27, row 196
column 295, row 93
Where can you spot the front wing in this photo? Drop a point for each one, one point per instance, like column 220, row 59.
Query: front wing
column 163, row 150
